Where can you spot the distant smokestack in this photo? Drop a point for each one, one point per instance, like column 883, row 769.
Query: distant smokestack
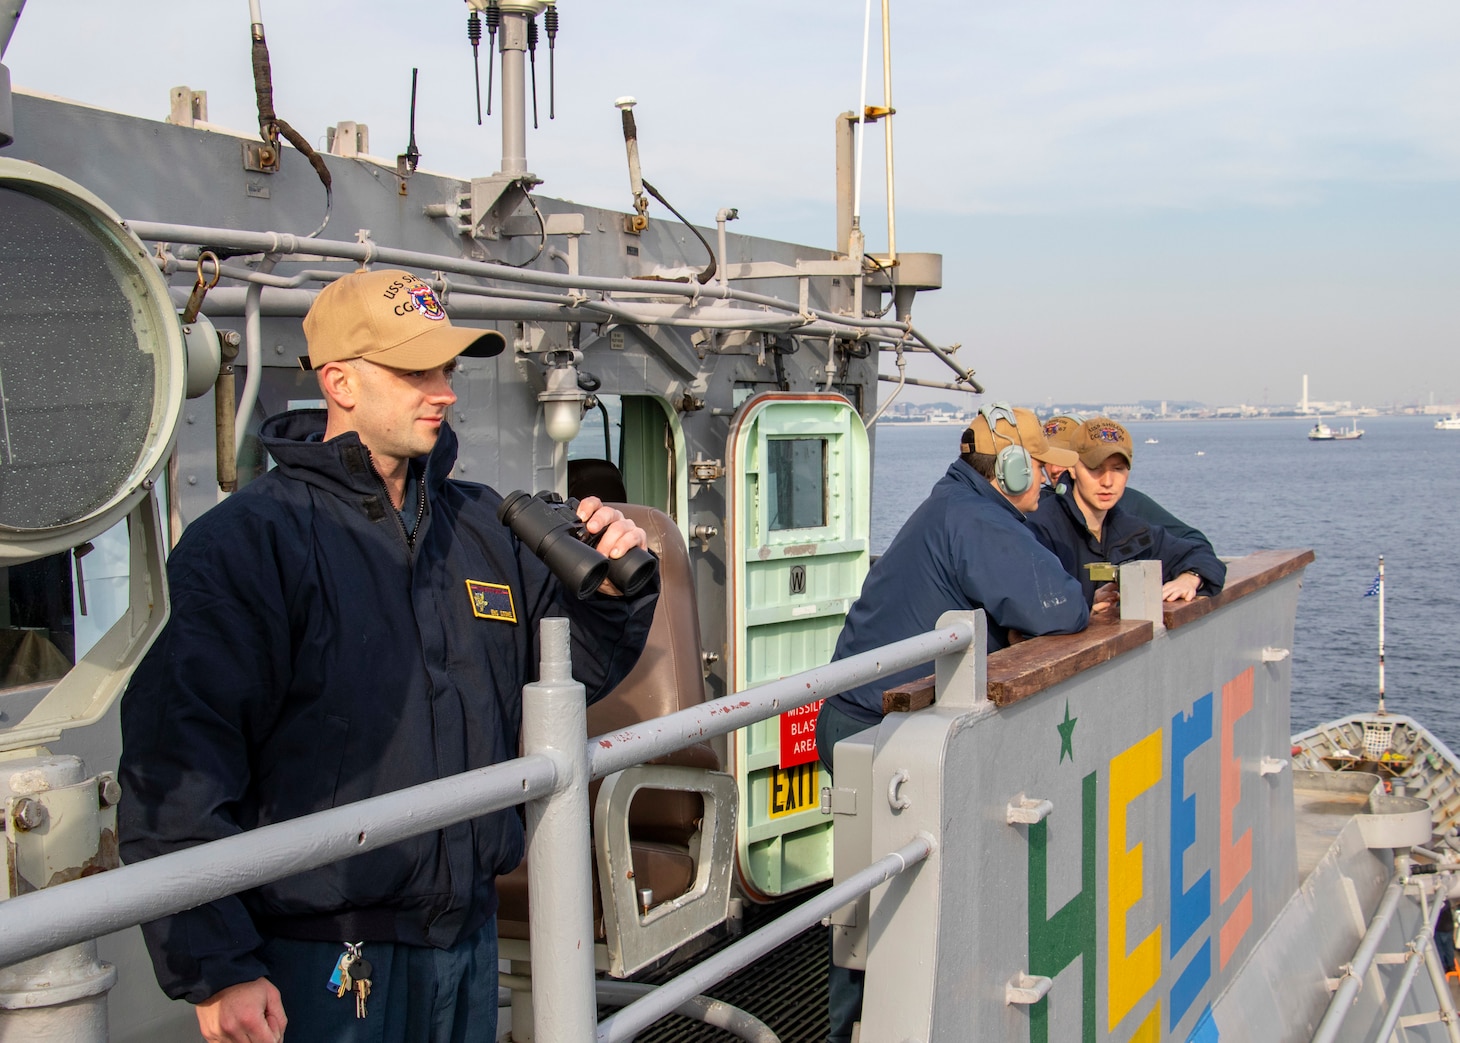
column 1305, row 392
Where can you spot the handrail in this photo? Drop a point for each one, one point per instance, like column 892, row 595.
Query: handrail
column 284, row 244
column 1417, row 955
column 654, row 738
column 637, row 1016
column 46, row 920
column 53, row 918
column 1355, row 970
column 739, row 1023
column 1245, row 575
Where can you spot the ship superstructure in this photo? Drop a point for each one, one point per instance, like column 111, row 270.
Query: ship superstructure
column 1093, row 837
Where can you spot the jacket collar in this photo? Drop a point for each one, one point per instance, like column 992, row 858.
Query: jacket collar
column 962, row 474
column 1119, row 525
column 341, row 465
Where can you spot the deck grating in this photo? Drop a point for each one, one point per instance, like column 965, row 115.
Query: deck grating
column 786, row 989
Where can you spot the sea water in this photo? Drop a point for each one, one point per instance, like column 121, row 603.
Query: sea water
column 1259, row 485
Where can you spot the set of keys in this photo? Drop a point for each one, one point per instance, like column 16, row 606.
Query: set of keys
column 352, row 974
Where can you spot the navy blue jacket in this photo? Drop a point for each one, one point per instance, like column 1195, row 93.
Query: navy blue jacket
column 1135, row 502
column 314, row 658
column 965, row 547
column 1061, row 527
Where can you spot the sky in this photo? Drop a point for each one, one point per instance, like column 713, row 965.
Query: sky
column 1134, row 200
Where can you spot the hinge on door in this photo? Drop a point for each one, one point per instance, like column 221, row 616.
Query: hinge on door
column 705, row 471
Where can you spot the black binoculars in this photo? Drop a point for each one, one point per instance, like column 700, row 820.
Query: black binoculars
column 550, row 527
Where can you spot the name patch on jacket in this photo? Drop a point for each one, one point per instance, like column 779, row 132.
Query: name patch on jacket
column 491, row 601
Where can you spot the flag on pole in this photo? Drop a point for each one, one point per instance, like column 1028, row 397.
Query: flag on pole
column 1373, row 588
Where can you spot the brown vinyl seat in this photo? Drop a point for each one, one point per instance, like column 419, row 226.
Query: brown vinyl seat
column 662, row 823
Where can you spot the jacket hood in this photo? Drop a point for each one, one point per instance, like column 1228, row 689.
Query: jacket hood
column 962, row 473
column 295, row 441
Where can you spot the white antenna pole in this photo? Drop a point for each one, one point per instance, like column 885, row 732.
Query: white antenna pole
column 1381, row 633
column 861, row 119
column 887, row 127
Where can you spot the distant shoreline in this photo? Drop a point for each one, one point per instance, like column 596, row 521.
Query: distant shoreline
column 888, row 423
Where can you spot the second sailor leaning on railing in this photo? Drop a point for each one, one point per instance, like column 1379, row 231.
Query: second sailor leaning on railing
column 966, row 547
column 352, row 623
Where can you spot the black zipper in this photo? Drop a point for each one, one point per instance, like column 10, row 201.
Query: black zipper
column 409, row 537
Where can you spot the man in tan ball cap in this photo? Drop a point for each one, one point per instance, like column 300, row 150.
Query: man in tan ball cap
column 351, row 623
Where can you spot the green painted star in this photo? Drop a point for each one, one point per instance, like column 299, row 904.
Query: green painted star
column 1067, row 735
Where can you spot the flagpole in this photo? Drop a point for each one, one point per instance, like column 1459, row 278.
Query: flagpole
column 1381, row 633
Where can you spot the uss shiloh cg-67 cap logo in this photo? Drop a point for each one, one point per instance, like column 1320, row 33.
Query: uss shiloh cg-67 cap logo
column 426, row 302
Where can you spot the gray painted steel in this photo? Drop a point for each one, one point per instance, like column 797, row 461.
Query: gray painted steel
column 46, row 920
column 966, row 761
column 156, row 172
column 702, row 1008
column 554, row 720
column 1353, row 973
column 1419, row 954
column 639, row 1015
column 610, row 753
column 948, row 938
column 39, row 922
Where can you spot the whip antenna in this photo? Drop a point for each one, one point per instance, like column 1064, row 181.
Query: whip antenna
column 494, row 19
column 411, row 158
column 474, row 34
column 550, row 21
column 532, row 61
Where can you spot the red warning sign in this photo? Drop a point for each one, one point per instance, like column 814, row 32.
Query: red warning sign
column 798, row 734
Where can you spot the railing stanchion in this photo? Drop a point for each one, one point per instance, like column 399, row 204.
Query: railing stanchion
column 559, row 846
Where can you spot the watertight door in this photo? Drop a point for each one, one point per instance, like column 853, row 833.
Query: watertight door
column 797, row 541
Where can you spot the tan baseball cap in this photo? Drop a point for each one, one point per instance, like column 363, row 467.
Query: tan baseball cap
column 1026, row 432
column 1101, row 438
column 1062, row 429
column 392, row 318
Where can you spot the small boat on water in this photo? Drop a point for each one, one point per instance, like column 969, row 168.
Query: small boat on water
column 1398, row 751
column 1449, row 423
column 1323, row 433
column 1152, row 441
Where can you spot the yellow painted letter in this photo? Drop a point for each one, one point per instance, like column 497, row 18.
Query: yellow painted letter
column 1131, row 973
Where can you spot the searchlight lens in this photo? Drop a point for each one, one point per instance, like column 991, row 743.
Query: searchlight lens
column 90, row 355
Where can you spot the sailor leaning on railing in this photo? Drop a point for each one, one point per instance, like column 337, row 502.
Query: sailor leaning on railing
column 982, row 540
column 352, row 623
column 967, row 546
column 1088, row 522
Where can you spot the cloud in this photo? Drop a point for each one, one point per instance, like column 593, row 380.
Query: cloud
column 1210, row 192
column 1002, row 107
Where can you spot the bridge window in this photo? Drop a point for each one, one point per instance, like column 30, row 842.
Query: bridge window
column 796, row 482
column 639, row 436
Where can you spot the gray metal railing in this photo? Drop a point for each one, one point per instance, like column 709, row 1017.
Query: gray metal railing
column 812, row 321
column 44, row 921
column 550, row 778
column 654, row 738
column 642, row 1013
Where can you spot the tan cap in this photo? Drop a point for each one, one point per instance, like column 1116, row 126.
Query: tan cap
column 1061, row 430
column 1028, row 433
column 1101, row 438
column 392, row 318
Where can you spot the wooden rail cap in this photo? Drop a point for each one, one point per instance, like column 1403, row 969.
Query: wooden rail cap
column 1019, row 671
column 1024, row 669
column 1244, row 576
